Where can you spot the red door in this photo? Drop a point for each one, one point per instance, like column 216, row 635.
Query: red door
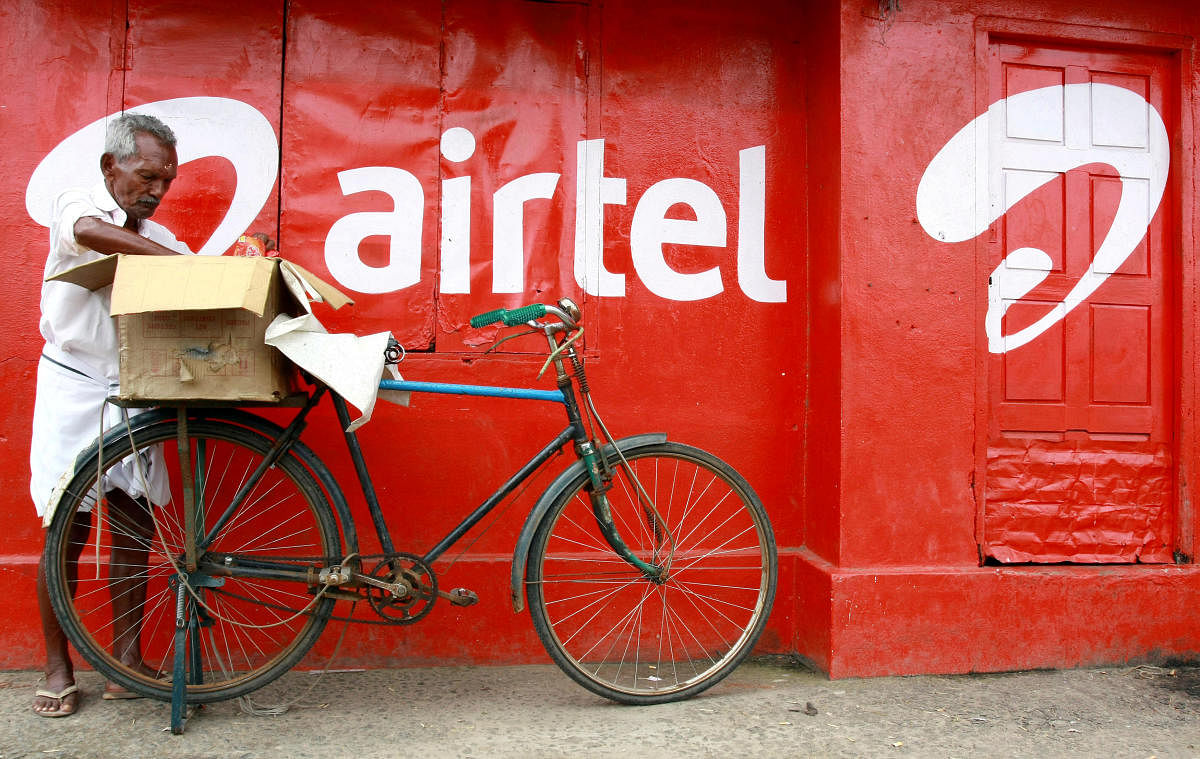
column 1080, row 324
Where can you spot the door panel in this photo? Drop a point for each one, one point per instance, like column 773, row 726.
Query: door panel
column 1080, row 464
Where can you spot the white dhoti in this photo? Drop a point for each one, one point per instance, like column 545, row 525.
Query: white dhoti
column 66, row 419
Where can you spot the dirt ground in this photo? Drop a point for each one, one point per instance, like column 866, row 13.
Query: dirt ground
column 765, row 709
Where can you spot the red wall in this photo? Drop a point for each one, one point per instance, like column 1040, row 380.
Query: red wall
column 854, row 405
column 892, row 543
column 682, row 338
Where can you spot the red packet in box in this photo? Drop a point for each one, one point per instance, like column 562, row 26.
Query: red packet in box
column 249, row 245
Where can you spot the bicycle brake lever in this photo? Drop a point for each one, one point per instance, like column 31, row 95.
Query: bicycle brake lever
column 503, row 340
column 557, row 352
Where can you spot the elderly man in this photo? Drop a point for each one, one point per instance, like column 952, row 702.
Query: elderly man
column 79, row 369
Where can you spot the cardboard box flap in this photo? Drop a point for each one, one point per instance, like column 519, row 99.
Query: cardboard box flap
column 93, row 275
column 189, row 283
column 314, row 285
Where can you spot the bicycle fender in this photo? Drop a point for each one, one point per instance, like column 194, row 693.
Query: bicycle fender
column 551, row 495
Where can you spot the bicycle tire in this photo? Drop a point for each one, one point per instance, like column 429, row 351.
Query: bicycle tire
column 630, row 639
column 244, row 640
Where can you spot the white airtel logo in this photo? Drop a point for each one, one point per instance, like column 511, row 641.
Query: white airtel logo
column 209, row 126
column 1038, row 135
column 206, row 126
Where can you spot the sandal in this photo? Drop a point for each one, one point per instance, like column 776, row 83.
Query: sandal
column 63, row 710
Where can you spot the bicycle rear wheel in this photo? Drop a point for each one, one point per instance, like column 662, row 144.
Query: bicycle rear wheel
column 639, row 641
column 119, row 605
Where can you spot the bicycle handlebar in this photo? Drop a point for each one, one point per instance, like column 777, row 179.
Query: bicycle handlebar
column 511, row 317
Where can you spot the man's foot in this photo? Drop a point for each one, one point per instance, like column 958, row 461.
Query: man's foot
column 63, row 703
column 114, row 692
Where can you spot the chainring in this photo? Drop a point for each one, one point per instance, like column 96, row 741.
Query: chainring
column 412, row 605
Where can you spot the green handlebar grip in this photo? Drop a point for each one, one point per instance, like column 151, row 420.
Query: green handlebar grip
column 511, row 318
column 523, row 314
column 491, row 317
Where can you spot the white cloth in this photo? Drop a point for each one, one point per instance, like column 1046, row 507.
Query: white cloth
column 351, row 365
column 67, row 419
column 75, row 319
column 80, row 334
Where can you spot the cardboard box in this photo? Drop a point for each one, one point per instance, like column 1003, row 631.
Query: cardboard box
column 191, row 327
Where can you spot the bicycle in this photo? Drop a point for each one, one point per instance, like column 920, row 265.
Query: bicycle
column 649, row 566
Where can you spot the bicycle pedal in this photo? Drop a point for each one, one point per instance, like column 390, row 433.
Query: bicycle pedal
column 460, row 597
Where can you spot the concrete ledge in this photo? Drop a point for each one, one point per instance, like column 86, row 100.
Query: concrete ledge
column 922, row 620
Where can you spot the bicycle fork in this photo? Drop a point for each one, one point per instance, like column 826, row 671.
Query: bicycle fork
column 600, row 472
column 601, row 476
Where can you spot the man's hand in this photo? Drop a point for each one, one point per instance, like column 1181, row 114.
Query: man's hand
column 257, row 244
column 268, row 243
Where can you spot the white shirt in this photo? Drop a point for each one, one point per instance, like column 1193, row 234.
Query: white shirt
column 75, row 321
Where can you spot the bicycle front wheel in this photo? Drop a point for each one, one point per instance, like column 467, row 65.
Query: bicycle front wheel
column 117, row 574
column 639, row 640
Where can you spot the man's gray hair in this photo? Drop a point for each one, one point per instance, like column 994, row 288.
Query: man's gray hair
column 120, row 140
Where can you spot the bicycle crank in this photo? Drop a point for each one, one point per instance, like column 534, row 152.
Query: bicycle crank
column 400, row 588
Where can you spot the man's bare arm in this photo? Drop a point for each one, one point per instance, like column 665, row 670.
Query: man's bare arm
column 103, row 237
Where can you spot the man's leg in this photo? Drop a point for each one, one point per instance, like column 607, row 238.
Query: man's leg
column 132, row 528
column 60, row 673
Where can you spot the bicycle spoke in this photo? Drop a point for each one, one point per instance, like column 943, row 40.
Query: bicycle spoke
column 640, row 639
column 245, row 638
